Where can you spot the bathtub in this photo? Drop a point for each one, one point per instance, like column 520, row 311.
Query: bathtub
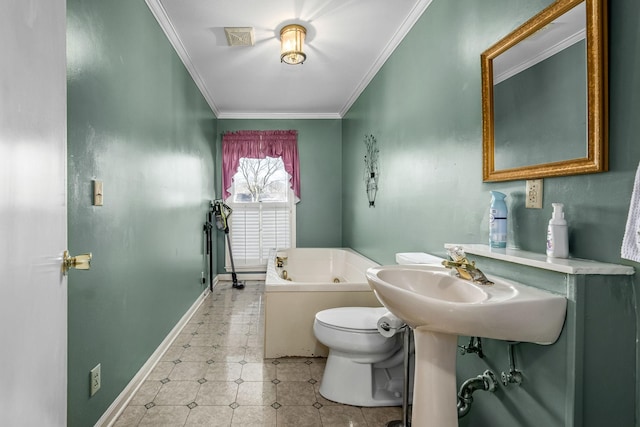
column 317, row 279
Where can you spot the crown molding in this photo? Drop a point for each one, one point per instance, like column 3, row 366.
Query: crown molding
column 159, row 12
column 404, row 29
column 279, row 116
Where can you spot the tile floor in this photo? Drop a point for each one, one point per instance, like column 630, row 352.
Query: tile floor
column 214, row 374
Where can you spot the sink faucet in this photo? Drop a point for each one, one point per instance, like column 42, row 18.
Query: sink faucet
column 466, row 269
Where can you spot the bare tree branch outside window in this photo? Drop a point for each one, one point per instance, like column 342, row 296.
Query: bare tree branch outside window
column 261, row 176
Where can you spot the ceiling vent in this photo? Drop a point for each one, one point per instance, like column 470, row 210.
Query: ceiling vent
column 239, row 36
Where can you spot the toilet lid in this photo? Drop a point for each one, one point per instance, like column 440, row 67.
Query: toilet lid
column 360, row 318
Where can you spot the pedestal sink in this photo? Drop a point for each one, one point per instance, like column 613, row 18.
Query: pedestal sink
column 440, row 306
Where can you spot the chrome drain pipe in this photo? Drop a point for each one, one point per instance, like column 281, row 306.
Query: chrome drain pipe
column 486, row 382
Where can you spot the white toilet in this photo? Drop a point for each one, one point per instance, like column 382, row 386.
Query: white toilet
column 363, row 368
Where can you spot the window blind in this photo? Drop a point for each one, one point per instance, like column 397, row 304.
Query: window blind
column 255, row 229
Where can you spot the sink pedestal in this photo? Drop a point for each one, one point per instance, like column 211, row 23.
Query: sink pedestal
column 430, row 299
column 434, row 391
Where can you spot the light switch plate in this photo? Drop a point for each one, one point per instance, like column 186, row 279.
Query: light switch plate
column 98, row 195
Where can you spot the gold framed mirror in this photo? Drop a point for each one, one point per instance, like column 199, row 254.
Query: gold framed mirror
column 544, row 95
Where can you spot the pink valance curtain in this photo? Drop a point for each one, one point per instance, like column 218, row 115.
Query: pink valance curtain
column 258, row 144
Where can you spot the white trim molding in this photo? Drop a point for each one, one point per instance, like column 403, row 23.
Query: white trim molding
column 242, row 276
column 404, row 29
column 159, row 12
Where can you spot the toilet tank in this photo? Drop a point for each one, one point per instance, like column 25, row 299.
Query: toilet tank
column 404, row 258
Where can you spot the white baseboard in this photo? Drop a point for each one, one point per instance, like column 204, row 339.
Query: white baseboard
column 118, row 406
column 242, row 276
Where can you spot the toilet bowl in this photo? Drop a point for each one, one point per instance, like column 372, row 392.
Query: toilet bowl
column 363, row 367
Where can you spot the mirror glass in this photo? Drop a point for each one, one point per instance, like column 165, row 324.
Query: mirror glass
column 544, row 107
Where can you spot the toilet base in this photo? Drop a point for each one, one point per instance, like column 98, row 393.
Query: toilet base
column 361, row 384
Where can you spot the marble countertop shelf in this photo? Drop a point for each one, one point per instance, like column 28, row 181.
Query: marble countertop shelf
column 533, row 259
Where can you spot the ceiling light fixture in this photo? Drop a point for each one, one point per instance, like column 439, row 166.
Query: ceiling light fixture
column 292, row 41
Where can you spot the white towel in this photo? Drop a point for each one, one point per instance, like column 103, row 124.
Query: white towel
column 631, row 240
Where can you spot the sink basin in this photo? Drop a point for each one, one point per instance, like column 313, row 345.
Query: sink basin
column 430, row 297
column 432, row 282
column 440, row 306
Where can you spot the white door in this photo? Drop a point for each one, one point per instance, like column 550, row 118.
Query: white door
column 33, row 209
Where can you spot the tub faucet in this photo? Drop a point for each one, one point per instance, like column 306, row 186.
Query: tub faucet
column 465, row 269
column 280, row 261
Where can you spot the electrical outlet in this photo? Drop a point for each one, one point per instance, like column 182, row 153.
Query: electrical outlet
column 95, row 379
column 533, row 194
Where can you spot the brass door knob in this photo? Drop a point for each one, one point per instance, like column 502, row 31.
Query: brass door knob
column 79, row 262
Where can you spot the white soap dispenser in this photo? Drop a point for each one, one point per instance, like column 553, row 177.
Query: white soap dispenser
column 557, row 233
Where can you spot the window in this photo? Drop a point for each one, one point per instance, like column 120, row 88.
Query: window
column 263, row 215
column 261, row 183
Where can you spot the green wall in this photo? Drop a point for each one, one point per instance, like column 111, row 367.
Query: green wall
column 424, row 107
column 137, row 122
column 318, row 214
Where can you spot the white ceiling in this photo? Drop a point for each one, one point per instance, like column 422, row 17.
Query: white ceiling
column 347, row 43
